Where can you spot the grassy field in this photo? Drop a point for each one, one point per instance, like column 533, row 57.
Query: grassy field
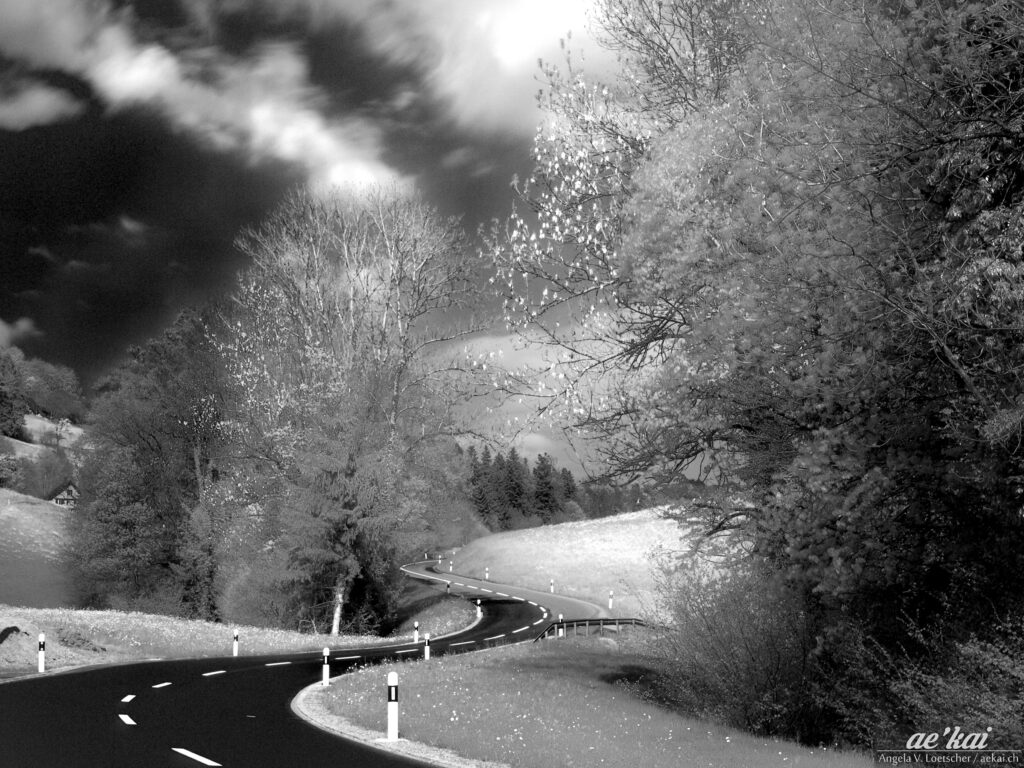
column 555, row 704
column 30, row 545
column 586, row 559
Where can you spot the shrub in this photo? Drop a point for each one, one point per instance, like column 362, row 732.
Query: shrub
column 10, row 472
column 737, row 648
column 874, row 696
column 44, row 474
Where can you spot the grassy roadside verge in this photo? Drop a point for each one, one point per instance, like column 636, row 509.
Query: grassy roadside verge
column 555, row 704
column 80, row 637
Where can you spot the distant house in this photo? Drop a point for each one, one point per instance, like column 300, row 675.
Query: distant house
column 66, row 496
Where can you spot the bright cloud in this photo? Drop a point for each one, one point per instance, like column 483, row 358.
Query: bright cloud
column 29, row 105
column 263, row 104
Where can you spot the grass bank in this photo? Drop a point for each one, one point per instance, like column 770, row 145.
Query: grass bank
column 555, row 704
column 82, row 637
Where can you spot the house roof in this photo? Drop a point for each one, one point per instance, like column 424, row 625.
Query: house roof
column 64, row 488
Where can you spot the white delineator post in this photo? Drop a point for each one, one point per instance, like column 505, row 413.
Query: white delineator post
column 392, row 706
column 426, row 645
column 42, row 652
column 487, row 574
column 611, row 598
column 450, row 566
column 415, row 631
column 551, row 585
column 234, row 644
column 561, row 630
column 327, row 667
column 479, row 610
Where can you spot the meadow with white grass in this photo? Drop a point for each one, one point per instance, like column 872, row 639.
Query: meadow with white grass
column 555, row 704
column 585, row 559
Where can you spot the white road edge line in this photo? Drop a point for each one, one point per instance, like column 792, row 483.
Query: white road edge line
column 128, row 698
column 211, row 674
column 194, row 756
column 161, row 685
column 276, row 663
column 127, row 720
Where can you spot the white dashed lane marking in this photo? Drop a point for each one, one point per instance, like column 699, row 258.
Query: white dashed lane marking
column 277, row 664
column 346, row 658
column 161, row 685
column 216, row 672
column 538, row 621
column 521, row 629
column 194, row 756
column 501, row 593
column 128, row 698
column 411, row 650
column 464, row 642
column 495, row 637
column 126, row 720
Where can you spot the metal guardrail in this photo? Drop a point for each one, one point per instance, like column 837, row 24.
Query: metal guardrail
column 552, row 630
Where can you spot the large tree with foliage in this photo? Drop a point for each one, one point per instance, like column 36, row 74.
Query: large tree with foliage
column 159, row 420
column 815, row 301
column 336, row 342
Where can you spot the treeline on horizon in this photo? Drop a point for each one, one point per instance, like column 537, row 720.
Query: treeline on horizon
column 509, row 494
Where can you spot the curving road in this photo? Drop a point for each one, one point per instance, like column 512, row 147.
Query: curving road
column 233, row 712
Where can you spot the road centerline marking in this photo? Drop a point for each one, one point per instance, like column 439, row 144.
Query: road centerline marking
column 216, row 672
column 128, row 698
column 162, row 685
column 521, row 629
column 495, row 637
column 464, row 642
column 276, row 663
column 126, row 719
column 346, row 658
column 194, row 756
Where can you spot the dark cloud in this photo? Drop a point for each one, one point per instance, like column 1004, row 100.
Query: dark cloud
column 110, row 225
column 137, row 137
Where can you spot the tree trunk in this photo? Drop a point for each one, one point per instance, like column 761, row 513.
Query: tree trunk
column 336, row 621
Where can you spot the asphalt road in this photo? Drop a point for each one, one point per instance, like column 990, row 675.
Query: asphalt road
column 233, row 712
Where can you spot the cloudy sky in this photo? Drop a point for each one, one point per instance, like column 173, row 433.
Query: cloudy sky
column 137, row 137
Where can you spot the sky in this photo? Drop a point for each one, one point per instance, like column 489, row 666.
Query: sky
column 137, row 137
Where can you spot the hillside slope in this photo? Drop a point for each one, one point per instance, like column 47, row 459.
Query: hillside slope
column 34, row 533
column 624, row 545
